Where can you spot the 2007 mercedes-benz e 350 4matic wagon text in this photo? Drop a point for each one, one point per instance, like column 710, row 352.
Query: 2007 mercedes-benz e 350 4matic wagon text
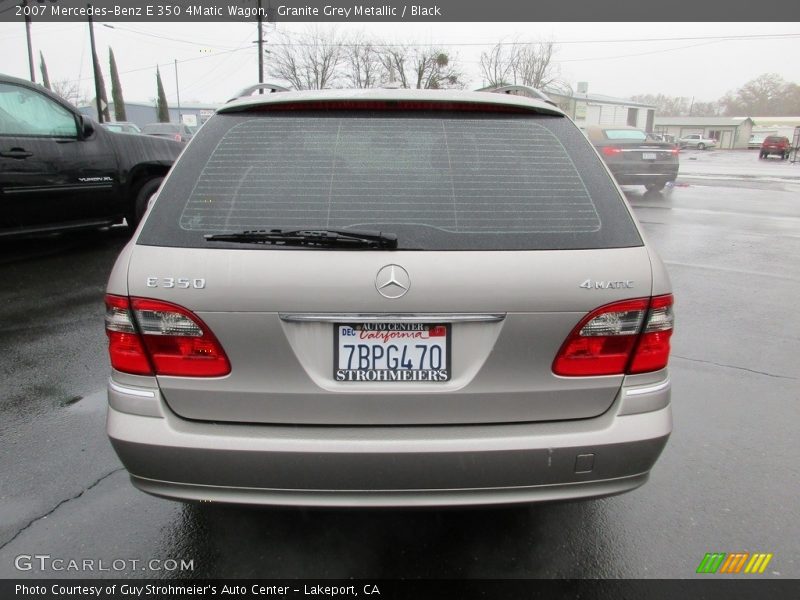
column 388, row 298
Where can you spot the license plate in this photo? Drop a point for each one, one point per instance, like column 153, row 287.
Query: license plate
column 649, row 156
column 391, row 351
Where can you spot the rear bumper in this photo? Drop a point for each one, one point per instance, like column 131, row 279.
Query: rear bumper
column 644, row 174
column 389, row 466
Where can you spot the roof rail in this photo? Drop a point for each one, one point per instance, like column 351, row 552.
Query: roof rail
column 521, row 90
column 248, row 91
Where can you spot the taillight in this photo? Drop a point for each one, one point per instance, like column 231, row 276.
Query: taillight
column 152, row 337
column 652, row 352
column 124, row 344
column 676, row 151
column 178, row 137
column 611, row 150
column 631, row 336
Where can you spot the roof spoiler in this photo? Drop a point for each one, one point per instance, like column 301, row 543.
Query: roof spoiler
column 520, row 90
column 248, row 91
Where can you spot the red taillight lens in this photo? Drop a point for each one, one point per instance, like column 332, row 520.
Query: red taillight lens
column 611, row 150
column 124, row 344
column 612, row 337
column 167, row 336
column 652, row 353
column 178, row 137
column 676, row 151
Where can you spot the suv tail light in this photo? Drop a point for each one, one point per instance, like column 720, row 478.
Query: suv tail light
column 625, row 337
column 178, row 137
column 611, row 150
column 152, row 337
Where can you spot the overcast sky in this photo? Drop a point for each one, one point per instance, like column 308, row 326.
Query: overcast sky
column 618, row 59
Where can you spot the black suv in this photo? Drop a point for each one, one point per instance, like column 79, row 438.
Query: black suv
column 60, row 171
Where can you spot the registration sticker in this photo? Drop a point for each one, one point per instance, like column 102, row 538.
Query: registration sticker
column 391, row 351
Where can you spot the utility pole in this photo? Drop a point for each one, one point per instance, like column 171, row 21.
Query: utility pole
column 260, row 48
column 178, row 91
column 30, row 46
column 94, row 67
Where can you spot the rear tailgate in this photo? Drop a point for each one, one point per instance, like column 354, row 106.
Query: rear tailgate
column 283, row 367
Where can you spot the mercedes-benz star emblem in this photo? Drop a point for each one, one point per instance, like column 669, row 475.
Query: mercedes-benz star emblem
column 392, row 281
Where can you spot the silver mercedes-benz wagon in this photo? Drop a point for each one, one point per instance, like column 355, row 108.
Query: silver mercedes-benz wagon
column 388, row 298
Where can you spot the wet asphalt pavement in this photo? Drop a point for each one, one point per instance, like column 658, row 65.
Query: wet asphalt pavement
column 728, row 480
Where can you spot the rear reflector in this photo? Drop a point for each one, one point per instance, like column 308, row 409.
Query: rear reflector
column 151, row 337
column 631, row 336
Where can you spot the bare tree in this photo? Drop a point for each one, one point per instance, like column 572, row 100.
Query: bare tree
column 362, row 63
column 70, row 91
column 534, row 65
column 767, row 94
column 497, row 65
column 310, row 63
column 523, row 63
column 666, row 106
column 421, row 67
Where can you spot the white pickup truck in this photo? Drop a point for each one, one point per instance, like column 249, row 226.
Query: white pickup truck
column 696, row 140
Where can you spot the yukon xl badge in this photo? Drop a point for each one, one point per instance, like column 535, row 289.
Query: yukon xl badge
column 590, row 284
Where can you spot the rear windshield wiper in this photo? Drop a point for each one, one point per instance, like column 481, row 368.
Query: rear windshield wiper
column 310, row 237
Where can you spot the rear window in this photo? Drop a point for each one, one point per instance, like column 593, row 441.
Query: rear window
column 625, row 134
column 774, row 139
column 440, row 181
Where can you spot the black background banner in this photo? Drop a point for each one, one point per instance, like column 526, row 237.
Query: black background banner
column 401, row 10
column 710, row 587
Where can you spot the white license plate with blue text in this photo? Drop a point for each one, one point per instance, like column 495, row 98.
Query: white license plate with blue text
column 391, row 352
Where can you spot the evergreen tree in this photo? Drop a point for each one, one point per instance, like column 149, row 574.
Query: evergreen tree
column 102, row 85
column 162, row 109
column 116, row 89
column 43, row 68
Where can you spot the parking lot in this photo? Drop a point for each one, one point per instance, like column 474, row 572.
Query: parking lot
column 729, row 232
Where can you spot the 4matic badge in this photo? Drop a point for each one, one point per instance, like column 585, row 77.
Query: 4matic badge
column 591, row 284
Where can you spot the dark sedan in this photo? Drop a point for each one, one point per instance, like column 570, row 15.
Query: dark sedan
column 634, row 158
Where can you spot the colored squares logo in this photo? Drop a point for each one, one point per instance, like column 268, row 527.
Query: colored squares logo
column 734, row 562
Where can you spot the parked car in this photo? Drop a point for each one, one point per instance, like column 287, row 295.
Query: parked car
column 697, row 141
column 634, row 157
column 775, row 144
column 59, row 170
column 175, row 131
column 388, row 297
column 122, row 127
column 755, row 142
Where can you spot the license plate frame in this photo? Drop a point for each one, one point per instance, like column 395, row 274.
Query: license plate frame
column 381, row 336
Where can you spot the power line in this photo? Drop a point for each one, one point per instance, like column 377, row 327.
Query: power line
column 752, row 37
column 167, row 64
column 164, row 37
